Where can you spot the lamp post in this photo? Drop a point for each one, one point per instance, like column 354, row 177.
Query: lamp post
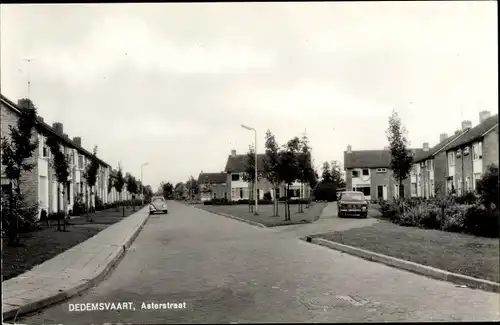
column 256, row 173
column 142, row 184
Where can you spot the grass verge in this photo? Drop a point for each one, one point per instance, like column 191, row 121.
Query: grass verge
column 453, row 252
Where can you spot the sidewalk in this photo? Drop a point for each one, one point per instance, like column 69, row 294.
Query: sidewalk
column 71, row 272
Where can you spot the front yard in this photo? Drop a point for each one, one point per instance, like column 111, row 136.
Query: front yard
column 265, row 216
column 454, row 252
column 39, row 246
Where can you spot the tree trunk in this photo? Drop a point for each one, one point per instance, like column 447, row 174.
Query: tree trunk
column 288, row 205
column 64, row 209
column 58, row 209
column 277, row 201
column 133, row 202
column 401, row 190
column 123, row 207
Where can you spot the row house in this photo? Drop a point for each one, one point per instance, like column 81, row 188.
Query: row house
column 457, row 163
column 40, row 184
column 239, row 189
column 369, row 171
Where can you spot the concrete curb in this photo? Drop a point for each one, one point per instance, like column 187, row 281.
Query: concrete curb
column 253, row 223
column 409, row 266
column 65, row 294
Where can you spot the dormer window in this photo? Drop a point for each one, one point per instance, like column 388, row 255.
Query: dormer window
column 459, row 153
column 466, row 151
column 355, row 173
column 384, row 170
column 235, row 177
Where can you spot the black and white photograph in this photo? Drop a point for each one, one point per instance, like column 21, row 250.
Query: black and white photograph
column 249, row 162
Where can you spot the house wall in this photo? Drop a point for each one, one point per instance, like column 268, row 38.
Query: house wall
column 490, row 148
column 28, row 180
column 381, row 179
column 440, row 174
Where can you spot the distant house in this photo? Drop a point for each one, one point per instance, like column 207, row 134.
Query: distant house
column 212, row 186
column 239, row 189
column 368, row 171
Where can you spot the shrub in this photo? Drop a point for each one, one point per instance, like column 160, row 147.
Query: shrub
column 207, row 203
column 27, row 214
column 78, row 206
column 487, row 187
column 268, row 196
column 481, row 221
column 454, row 218
column 469, row 198
column 428, row 216
column 98, row 204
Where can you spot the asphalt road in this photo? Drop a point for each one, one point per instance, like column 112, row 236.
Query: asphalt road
column 226, row 271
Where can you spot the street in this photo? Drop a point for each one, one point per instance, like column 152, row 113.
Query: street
column 226, row 271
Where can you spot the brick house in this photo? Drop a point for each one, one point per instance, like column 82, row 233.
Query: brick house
column 240, row 189
column 368, row 171
column 212, row 186
column 429, row 169
column 471, row 154
column 39, row 185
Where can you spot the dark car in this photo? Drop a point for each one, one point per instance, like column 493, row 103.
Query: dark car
column 158, row 204
column 353, row 204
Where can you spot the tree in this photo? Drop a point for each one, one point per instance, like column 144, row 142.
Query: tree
column 192, row 186
column 167, row 190
column 249, row 175
column 132, row 188
column 90, row 175
column 61, row 169
column 487, row 187
column 148, row 193
column 326, row 175
column 401, row 158
column 272, row 167
column 289, row 169
column 119, row 183
column 337, row 175
column 179, row 190
column 16, row 153
column 305, row 168
column 313, row 182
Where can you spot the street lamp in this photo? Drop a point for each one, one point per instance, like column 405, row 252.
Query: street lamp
column 142, row 183
column 256, row 179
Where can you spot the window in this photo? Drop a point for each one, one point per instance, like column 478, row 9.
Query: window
column 451, row 159
column 468, row 184
column 235, row 177
column 477, row 151
column 355, row 174
column 215, row 195
column 459, row 153
column 366, row 172
column 431, row 164
column 365, row 190
column 80, row 161
column 384, row 170
column 45, row 152
column 466, row 151
column 241, row 193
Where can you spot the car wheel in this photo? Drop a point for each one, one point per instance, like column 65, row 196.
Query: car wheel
column 166, row 212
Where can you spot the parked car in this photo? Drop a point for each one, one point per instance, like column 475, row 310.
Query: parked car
column 352, row 203
column 158, row 204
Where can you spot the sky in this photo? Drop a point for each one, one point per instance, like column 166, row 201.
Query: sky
column 171, row 83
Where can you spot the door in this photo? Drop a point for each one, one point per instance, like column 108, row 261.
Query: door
column 380, row 192
column 385, row 192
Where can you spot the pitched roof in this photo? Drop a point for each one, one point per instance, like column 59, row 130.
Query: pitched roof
column 428, row 154
column 44, row 126
column 372, row 158
column 475, row 133
column 238, row 163
column 212, row 178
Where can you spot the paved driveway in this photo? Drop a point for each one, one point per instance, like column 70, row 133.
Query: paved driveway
column 226, row 271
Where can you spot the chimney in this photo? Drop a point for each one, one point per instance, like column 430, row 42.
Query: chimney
column 457, row 132
column 233, row 153
column 483, row 115
column 349, row 149
column 40, row 118
column 425, row 145
column 65, row 135
column 58, row 127
column 442, row 137
column 77, row 141
column 466, row 125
